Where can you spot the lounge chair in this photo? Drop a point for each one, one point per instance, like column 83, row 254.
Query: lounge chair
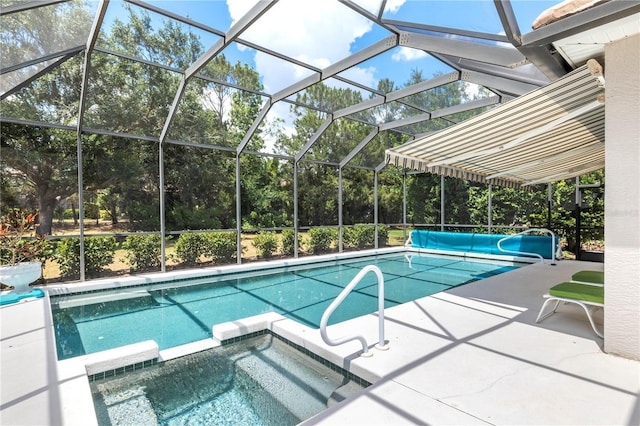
column 588, row 277
column 589, row 296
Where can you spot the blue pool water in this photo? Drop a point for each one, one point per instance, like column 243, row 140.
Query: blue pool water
column 178, row 313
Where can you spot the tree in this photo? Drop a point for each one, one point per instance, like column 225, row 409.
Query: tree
column 43, row 160
column 266, row 192
column 318, row 183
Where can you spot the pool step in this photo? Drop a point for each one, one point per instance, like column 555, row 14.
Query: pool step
column 303, row 386
column 82, row 299
column 343, row 392
column 123, row 407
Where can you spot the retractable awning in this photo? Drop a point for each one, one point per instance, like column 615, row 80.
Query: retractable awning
column 553, row 133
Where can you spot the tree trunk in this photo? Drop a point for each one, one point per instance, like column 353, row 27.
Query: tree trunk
column 74, row 214
column 45, row 217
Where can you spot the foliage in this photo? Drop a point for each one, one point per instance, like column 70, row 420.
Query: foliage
column 423, row 199
column 390, row 196
column 43, row 160
column 15, row 244
column 98, row 253
column 363, row 236
column 182, row 217
column 383, row 234
column 357, row 196
column 321, row 239
column 190, row 247
column 64, row 214
column 288, row 242
column 143, row 251
column 221, row 246
column 91, row 211
column 267, row 197
column 359, row 236
column 109, row 203
column 142, row 216
column 318, row 183
column 266, row 243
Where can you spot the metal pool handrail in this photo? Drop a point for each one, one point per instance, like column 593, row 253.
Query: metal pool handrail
column 338, row 300
column 553, row 244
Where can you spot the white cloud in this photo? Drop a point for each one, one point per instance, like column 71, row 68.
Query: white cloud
column 471, row 90
column 365, row 76
column 304, row 30
column 407, row 54
column 393, row 6
column 373, row 6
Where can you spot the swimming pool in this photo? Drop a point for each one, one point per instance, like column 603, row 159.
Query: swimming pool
column 176, row 313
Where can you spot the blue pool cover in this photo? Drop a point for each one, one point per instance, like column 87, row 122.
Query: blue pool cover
column 481, row 243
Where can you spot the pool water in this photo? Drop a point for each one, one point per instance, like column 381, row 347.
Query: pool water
column 174, row 314
column 259, row 381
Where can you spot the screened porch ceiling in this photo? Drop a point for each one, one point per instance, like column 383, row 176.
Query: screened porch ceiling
column 295, row 45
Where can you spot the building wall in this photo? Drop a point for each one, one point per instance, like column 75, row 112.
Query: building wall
column 622, row 198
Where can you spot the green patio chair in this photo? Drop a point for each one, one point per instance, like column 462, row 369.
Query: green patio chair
column 588, row 296
column 588, row 277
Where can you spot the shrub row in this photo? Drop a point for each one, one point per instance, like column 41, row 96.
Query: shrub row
column 320, row 240
column 98, row 253
column 266, row 243
column 191, row 248
column 143, row 251
column 363, row 236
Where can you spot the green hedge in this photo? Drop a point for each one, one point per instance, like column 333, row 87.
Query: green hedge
column 98, row 253
column 143, row 251
column 266, row 243
column 321, row 239
column 363, row 236
column 190, row 247
column 221, row 246
column 288, row 242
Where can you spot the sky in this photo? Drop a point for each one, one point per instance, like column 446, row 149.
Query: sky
column 301, row 28
column 321, row 32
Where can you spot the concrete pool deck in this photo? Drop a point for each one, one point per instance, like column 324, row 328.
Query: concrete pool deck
column 471, row 355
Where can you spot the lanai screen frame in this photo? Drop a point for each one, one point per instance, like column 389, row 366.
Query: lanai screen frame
column 492, row 67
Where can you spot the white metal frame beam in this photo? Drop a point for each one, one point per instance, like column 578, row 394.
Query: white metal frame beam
column 245, row 22
column 437, row 81
column 492, row 54
column 38, row 74
column 500, row 84
column 348, row 62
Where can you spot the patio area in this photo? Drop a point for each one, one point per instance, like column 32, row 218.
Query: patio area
column 471, row 355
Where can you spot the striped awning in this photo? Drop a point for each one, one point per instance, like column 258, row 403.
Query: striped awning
column 553, row 133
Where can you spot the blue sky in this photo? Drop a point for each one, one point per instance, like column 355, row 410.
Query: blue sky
column 308, row 30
